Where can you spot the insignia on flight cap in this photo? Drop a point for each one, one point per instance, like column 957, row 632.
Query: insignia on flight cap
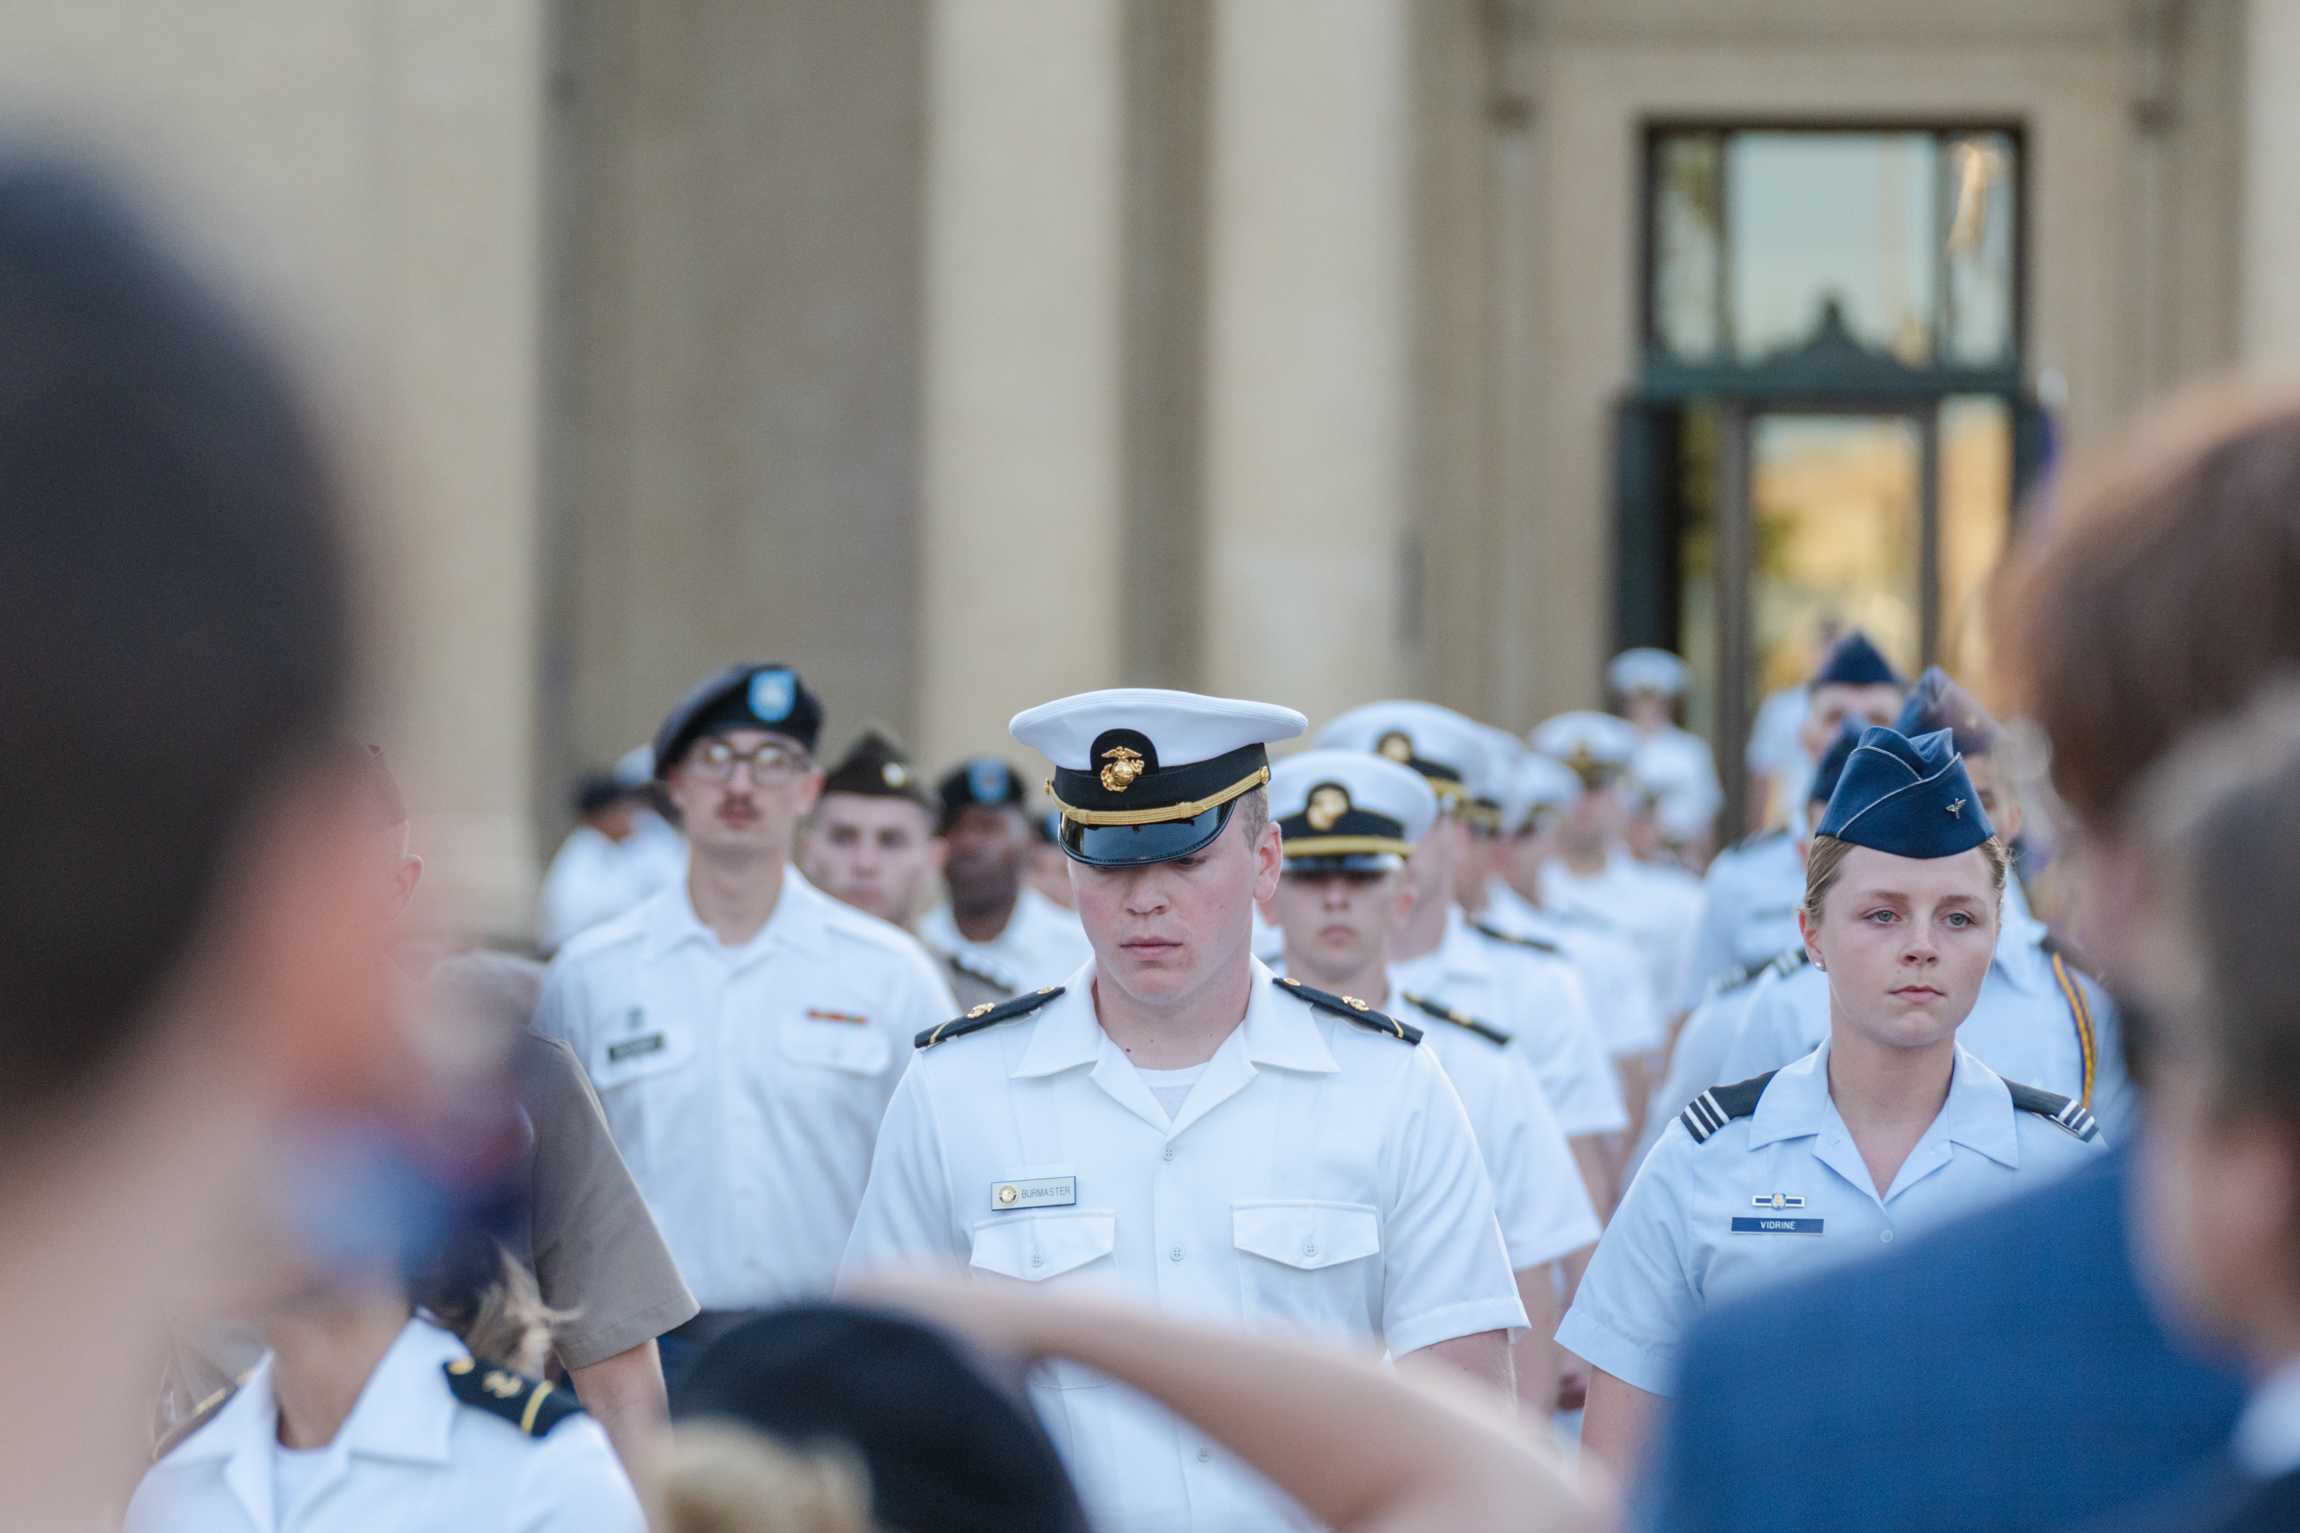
column 1894, row 792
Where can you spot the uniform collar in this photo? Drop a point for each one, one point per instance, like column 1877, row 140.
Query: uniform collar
column 1276, row 1032
column 404, row 1411
column 1977, row 1114
column 672, row 922
column 2020, row 948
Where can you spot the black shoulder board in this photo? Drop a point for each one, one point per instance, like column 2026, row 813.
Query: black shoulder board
column 201, row 1415
column 985, row 1015
column 1354, row 1009
column 1720, row 1105
column 1489, row 930
column 532, row 1405
column 1740, row 975
column 2067, row 1114
column 1445, row 1013
column 979, row 969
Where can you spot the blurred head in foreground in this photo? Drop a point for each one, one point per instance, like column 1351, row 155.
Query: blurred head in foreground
column 188, row 953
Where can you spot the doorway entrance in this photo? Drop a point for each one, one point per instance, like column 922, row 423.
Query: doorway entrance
column 1863, row 473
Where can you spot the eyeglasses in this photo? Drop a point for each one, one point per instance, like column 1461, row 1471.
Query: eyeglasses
column 714, row 761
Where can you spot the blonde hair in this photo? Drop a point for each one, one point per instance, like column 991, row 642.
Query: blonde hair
column 503, row 1320
column 1825, row 860
column 721, row 1477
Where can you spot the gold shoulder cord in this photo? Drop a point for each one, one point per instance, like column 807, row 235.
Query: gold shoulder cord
column 2082, row 1013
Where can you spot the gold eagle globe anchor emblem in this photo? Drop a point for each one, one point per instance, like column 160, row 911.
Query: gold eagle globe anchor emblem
column 1326, row 808
column 1124, row 766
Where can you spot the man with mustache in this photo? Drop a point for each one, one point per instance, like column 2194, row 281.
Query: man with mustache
column 744, row 1029
column 1174, row 1122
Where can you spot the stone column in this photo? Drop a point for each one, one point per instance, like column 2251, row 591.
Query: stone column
column 2268, row 334
column 1306, row 438
column 1022, row 568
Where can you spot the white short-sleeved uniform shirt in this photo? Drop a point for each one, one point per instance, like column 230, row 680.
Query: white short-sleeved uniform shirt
column 1320, row 1177
column 744, row 1086
column 1614, row 978
column 1749, row 903
column 1655, row 907
column 1784, row 1191
column 1538, row 1193
column 1683, row 757
column 1704, row 1044
column 1537, row 999
column 1041, row 944
column 2034, row 1022
column 411, row 1457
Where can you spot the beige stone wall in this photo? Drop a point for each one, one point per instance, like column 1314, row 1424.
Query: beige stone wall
column 2118, row 307
column 365, row 174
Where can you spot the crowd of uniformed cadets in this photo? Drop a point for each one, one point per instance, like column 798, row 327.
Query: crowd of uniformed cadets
column 1333, row 1115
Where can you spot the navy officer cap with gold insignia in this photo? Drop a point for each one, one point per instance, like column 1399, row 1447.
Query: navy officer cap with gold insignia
column 1144, row 775
column 1445, row 747
column 1349, row 811
column 1597, row 746
column 752, row 695
column 1910, row 798
column 1648, row 670
column 876, row 766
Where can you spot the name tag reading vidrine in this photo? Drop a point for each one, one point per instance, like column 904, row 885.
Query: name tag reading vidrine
column 1776, row 1226
column 1034, row 1192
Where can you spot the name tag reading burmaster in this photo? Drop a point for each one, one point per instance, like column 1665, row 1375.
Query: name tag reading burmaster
column 1035, row 1192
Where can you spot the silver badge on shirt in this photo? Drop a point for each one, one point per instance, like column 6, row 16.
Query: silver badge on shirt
column 1034, row 1192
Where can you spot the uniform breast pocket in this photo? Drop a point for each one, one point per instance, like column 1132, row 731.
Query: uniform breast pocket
column 1310, row 1262
column 851, row 1048
column 1038, row 1248
column 639, row 1054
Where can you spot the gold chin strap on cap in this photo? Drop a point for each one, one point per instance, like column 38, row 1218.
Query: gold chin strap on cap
column 1164, row 812
column 1347, row 846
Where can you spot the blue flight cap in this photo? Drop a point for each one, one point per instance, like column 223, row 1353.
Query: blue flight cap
column 1939, row 702
column 1832, row 767
column 1855, row 662
column 1910, row 798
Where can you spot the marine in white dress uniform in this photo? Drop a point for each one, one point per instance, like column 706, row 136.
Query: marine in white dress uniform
column 1594, row 874
column 1775, row 1174
column 439, row 1442
column 1521, row 987
column 1315, row 1172
column 1350, row 822
column 744, row 1083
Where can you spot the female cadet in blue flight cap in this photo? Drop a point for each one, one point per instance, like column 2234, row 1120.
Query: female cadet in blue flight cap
column 1889, row 1126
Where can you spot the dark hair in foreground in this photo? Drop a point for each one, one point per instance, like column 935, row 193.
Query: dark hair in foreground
column 2161, row 592
column 172, row 616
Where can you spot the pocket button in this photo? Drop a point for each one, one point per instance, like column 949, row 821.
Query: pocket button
column 1175, row 1254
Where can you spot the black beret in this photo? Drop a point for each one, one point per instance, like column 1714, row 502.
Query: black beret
column 984, row 780
column 945, row 1447
column 752, row 695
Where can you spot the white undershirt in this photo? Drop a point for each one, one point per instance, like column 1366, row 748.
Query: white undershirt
column 294, row 1472
column 2267, row 1441
column 1171, row 1087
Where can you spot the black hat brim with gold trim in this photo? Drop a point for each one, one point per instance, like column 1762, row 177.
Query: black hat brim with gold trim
column 1148, row 815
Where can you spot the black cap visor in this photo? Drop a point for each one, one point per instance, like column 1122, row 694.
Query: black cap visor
column 1138, row 846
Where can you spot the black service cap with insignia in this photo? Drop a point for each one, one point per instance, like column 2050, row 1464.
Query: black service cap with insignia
column 876, row 766
column 752, row 695
column 943, row 1446
column 1144, row 775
